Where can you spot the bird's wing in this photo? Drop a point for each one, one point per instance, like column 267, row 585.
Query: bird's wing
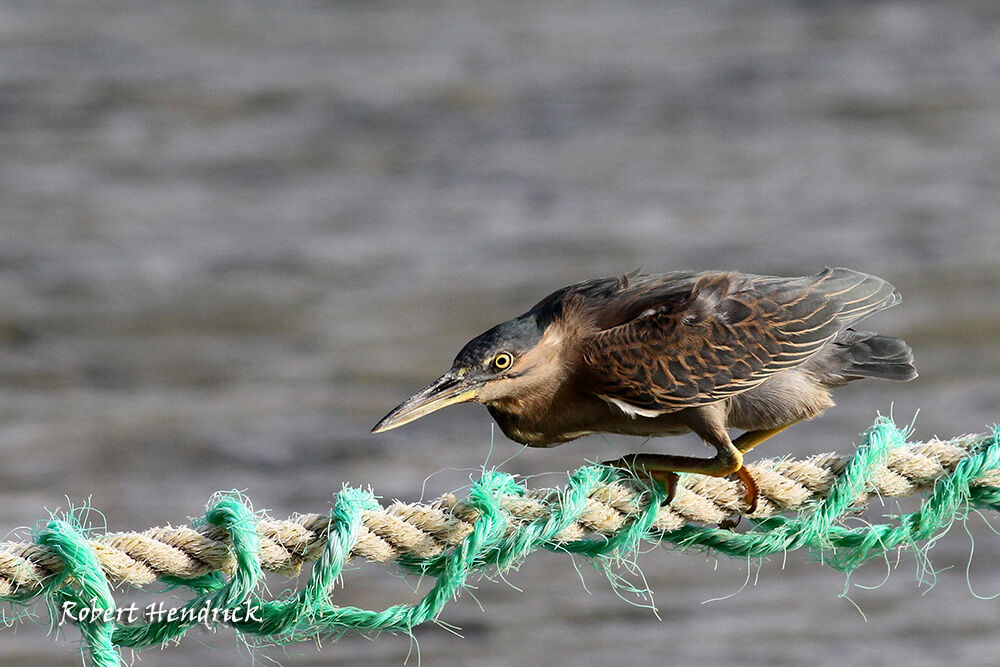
column 727, row 333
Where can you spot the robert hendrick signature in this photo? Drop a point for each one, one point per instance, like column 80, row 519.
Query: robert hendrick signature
column 158, row 612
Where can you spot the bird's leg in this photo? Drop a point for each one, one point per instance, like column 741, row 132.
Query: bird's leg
column 745, row 443
column 708, row 424
column 751, row 439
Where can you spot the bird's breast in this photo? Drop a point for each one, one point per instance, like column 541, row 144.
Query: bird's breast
column 565, row 420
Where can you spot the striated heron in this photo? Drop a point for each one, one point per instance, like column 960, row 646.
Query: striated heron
column 653, row 355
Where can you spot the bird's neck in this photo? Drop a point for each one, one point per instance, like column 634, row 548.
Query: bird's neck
column 543, row 418
column 540, row 405
column 522, row 425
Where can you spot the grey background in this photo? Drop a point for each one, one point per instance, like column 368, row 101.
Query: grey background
column 234, row 235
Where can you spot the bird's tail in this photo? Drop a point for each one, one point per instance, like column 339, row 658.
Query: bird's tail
column 857, row 354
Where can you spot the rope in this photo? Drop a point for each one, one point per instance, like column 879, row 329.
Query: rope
column 601, row 513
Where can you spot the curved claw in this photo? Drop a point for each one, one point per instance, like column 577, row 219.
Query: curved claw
column 667, row 478
column 751, row 492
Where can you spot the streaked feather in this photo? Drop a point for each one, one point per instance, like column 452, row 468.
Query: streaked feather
column 665, row 343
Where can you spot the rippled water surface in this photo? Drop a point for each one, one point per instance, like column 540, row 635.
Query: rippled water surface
column 233, row 235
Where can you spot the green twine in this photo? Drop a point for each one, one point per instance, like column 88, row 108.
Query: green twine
column 229, row 512
column 310, row 612
column 91, row 588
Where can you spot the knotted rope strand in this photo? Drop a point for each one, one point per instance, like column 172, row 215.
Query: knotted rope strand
column 600, row 514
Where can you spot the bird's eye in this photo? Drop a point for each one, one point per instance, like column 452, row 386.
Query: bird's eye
column 502, row 361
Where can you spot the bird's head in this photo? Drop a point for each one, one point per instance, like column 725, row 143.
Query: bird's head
column 508, row 361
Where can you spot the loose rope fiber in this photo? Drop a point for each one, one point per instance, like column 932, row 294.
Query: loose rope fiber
column 602, row 513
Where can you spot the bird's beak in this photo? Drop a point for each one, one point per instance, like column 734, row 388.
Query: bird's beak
column 447, row 390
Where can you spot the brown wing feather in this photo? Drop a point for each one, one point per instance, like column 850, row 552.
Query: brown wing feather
column 691, row 339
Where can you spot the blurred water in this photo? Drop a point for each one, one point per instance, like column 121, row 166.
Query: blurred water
column 235, row 234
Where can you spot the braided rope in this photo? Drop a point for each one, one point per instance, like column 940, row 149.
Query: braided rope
column 425, row 530
column 601, row 514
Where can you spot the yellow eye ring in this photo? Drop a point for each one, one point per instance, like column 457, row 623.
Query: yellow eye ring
column 502, row 361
